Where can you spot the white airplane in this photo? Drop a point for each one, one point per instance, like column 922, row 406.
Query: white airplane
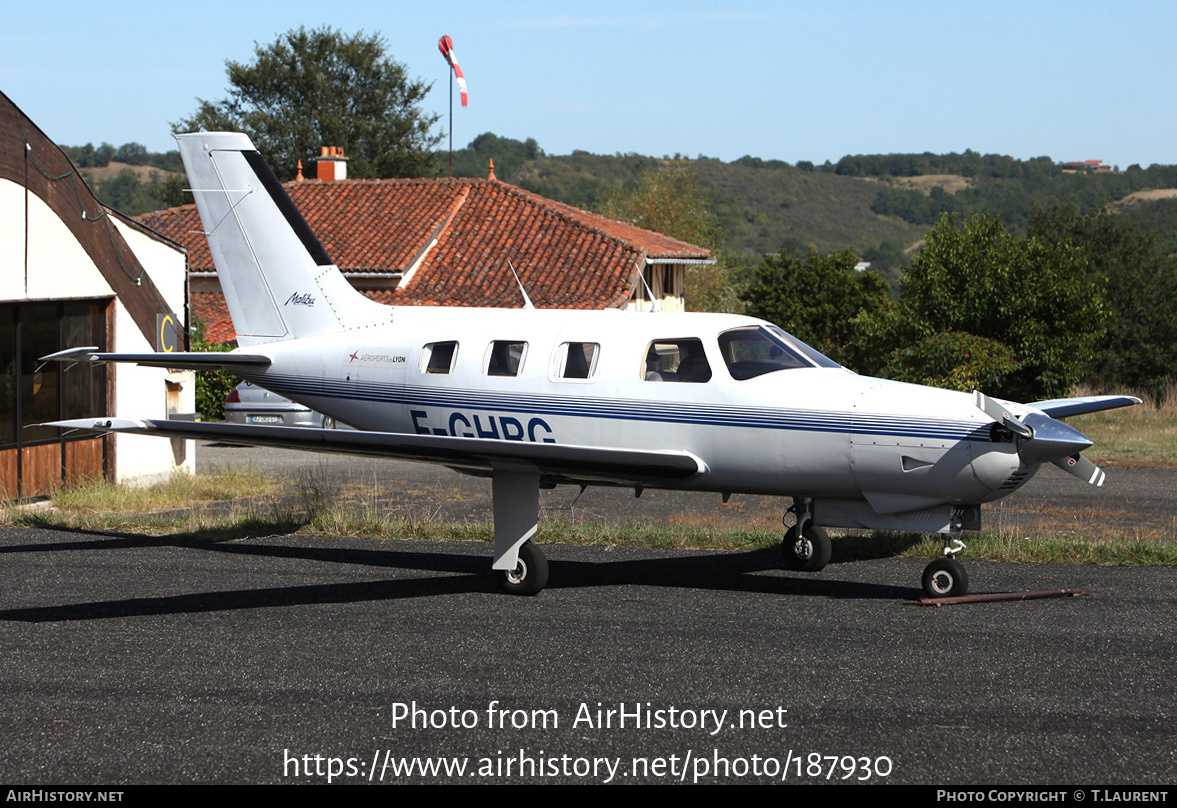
column 533, row 398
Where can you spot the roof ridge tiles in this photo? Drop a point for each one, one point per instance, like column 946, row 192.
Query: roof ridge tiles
column 589, row 222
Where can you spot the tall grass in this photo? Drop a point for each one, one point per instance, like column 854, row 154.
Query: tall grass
column 179, row 491
column 1140, row 436
column 1000, row 546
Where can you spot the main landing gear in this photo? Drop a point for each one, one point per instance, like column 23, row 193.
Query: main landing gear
column 945, row 577
column 520, row 566
column 530, row 574
column 806, row 550
column 806, row 547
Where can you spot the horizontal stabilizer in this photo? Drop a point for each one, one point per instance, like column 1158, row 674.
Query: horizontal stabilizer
column 186, row 360
column 568, row 463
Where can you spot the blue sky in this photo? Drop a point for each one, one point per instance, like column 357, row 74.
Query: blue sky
column 784, row 80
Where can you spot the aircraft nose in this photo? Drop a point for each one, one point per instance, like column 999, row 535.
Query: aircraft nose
column 1052, row 440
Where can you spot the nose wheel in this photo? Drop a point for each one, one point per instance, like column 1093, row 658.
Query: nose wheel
column 946, row 577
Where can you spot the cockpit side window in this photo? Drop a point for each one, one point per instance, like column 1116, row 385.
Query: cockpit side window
column 438, row 357
column 676, row 360
column 815, row 356
column 753, row 351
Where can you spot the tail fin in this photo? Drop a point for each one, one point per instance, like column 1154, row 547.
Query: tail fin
column 278, row 281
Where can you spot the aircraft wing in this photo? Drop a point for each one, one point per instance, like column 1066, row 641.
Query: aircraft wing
column 184, row 360
column 1066, row 407
column 565, row 463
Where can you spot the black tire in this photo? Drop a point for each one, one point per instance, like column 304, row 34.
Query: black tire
column 530, row 574
column 945, row 578
column 809, row 552
column 328, row 422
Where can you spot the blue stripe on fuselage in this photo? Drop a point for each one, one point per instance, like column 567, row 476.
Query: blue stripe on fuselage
column 625, row 409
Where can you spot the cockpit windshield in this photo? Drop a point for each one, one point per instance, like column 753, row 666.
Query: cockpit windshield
column 755, row 350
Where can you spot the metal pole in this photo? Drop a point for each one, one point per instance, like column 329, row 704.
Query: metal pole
column 451, row 72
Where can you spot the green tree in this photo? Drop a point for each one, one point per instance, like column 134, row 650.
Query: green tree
column 81, row 156
column 212, row 386
column 823, row 301
column 169, row 192
column 667, row 200
column 509, row 156
column 1139, row 347
column 325, row 88
column 134, row 154
column 103, row 155
column 1033, row 295
column 121, row 192
column 953, row 360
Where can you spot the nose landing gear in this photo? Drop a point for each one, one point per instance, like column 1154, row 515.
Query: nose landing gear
column 946, row 577
column 806, row 548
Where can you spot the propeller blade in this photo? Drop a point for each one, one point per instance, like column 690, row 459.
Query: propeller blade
column 1041, row 438
column 1082, row 468
column 995, row 410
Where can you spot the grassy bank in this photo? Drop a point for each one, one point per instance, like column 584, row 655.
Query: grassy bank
column 1140, row 436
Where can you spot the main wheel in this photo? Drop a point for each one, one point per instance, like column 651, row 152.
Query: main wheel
column 530, row 574
column 807, row 552
column 945, row 578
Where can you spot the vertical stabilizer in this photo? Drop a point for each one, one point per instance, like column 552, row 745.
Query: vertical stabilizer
column 278, row 281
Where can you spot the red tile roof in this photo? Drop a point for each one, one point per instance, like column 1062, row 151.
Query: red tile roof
column 565, row 257
column 213, row 315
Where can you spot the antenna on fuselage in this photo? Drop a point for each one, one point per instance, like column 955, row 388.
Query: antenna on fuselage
column 526, row 300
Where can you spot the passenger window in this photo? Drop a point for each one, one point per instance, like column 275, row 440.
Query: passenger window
column 676, row 360
column 575, row 360
column 505, row 358
column 438, row 357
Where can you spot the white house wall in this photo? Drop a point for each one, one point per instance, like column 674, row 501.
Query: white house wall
column 12, row 238
column 142, row 392
column 58, row 266
column 165, row 262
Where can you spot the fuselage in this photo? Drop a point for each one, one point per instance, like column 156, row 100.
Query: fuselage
column 765, row 413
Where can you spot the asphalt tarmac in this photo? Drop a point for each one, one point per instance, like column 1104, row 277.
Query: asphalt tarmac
column 129, row 659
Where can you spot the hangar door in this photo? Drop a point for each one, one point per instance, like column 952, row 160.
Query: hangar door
column 35, row 461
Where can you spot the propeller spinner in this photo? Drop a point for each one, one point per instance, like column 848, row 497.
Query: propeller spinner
column 1042, row 439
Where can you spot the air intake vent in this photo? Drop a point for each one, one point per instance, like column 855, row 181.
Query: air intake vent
column 1016, row 479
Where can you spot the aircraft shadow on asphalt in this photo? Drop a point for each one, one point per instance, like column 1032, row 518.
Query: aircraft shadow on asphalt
column 462, row 573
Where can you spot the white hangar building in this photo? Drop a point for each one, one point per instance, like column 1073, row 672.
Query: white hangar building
column 75, row 273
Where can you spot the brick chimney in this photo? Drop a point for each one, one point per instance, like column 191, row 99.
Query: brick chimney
column 332, row 164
